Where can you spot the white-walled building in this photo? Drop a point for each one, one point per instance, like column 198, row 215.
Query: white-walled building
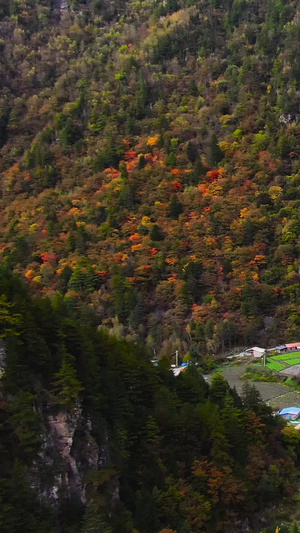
column 255, row 351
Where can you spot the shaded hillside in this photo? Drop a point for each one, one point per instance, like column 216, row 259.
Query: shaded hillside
column 149, row 165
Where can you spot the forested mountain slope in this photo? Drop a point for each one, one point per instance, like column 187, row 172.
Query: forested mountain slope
column 149, row 190
column 149, row 164
column 95, row 439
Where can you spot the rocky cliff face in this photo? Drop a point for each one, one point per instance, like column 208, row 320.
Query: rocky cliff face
column 68, row 453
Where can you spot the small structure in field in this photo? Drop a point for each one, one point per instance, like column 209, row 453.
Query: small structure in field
column 255, row 351
column 290, row 413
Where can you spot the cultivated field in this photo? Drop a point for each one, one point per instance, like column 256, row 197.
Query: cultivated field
column 283, row 361
column 274, row 394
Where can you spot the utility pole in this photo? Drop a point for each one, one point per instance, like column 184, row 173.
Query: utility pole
column 176, row 355
column 264, row 359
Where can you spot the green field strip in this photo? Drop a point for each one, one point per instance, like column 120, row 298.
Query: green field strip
column 292, row 362
column 276, row 358
column 284, row 356
column 281, row 357
column 274, row 365
column 291, row 355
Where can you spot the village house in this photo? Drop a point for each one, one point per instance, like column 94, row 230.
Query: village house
column 293, row 346
column 255, row 351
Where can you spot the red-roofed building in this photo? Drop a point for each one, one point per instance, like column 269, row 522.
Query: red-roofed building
column 293, row 346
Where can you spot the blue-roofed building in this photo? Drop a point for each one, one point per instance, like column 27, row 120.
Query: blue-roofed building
column 281, row 348
column 290, row 413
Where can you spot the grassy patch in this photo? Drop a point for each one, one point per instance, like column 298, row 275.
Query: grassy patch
column 218, row 368
column 260, row 373
column 292, row 383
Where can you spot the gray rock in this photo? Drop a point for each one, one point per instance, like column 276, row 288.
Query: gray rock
column 68, row 453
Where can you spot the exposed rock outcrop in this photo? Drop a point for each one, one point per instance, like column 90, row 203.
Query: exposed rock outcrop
column 62, row 427
column 67, row 454
column 62, row 5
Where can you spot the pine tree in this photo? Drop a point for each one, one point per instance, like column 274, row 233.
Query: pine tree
column 9, row 322
column 215, row 153
column 233, row 429
column 198, row 171
column 67, row 387
column 94, row 521
column 191, row 386
column 191, row 152
column 142, row 162
column 127, row 196
column 251, row 396
column 138, row 313
column 176, row 207
column 123, row 170
column 146, row 515
column 27, row 423
column 218, row 389
column 156, row 233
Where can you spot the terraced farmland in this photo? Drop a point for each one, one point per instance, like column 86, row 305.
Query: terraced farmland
column 285, row 356
column 275, row 365
column 283, row 361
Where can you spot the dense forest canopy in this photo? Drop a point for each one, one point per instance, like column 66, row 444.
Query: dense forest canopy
column 183, row 455
column 149, row 164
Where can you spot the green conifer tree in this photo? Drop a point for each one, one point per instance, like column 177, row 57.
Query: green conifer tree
column 9, row 322
column 27, row 423
column 67, row 387
column 191, row 152
column 215, row 153
column 251, row 396
column 94, row 521
column 218, row 389
column 176, row 207
column 156, row 233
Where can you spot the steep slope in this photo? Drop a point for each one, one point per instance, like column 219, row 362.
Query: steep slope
column 149, row 165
